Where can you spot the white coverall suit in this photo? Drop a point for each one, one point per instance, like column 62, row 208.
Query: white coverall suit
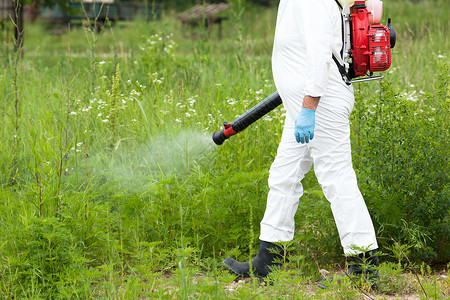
column 307, row 32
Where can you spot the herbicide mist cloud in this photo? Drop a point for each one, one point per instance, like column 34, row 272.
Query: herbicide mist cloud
column 133, row 169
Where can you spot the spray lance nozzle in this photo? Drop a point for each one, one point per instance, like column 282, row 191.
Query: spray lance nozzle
column 247, row 118
column 220, row 136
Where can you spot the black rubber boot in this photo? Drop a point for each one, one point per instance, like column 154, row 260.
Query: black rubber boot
column 367, row 264
column 269, row 256
column 363, row 264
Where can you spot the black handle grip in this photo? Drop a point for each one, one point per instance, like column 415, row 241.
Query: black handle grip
column 256, row 112
column 247, row 118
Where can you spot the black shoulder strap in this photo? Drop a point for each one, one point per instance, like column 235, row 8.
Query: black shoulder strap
column 341, row 68
column 344, row 73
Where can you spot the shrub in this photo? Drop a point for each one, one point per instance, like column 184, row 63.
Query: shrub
column 402, row 158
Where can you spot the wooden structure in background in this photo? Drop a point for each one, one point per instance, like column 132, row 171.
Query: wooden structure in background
column 204, row 14
column 6, row 9
column 101, row 11
column 12, row 11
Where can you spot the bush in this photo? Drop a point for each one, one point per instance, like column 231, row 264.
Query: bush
column 402, row 160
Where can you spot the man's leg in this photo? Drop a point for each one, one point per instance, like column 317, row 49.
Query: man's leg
column 331, row 152
column 288, row 169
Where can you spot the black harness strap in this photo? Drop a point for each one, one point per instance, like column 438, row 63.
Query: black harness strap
column 341, row 68
column 342, row 34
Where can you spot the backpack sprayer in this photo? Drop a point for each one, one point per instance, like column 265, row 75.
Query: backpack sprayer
column 366, row 49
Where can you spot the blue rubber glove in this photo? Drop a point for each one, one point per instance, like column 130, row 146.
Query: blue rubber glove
column 304, row 125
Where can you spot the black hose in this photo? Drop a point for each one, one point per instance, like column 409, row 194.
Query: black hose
column 256, row 112
column 247, row 118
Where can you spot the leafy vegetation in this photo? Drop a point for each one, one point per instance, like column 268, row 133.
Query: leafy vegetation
column 111, row 186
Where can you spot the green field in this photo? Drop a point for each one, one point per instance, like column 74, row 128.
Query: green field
column 111, row 187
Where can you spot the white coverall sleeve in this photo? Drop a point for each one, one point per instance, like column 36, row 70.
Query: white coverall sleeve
column 314, row 21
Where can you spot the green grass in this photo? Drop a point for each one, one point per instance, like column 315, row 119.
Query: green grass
column 112, row 188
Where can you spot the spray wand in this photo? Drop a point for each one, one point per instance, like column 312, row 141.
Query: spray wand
column 247, row 118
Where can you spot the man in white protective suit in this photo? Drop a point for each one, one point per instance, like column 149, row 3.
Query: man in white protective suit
column 318, row 104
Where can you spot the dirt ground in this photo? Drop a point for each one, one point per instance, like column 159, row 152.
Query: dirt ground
column 411, row 291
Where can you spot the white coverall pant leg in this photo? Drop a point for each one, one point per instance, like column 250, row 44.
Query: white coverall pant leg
column 331, row 154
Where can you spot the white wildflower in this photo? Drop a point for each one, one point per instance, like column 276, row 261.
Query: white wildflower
column 104, row 121
column 102, row 63
column 188, row 114
column 73, row 113
column 231, row 101
column 178, row 120
column 412, row 97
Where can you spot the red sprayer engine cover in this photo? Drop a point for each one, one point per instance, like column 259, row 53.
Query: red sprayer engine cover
column 370, row 42
column 379, row 47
